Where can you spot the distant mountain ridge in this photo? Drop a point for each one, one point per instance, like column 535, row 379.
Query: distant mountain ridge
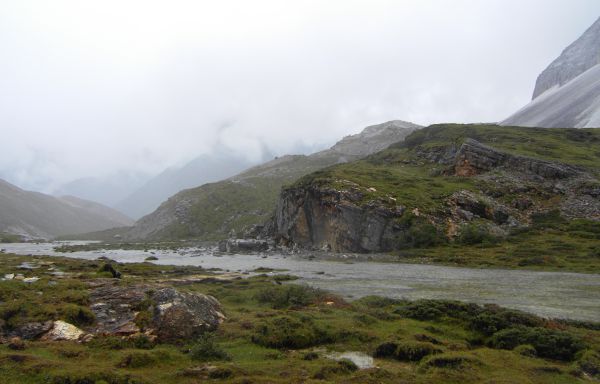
column 567, row 92
column 246, row 200
column 36, row 215
column 201, row 170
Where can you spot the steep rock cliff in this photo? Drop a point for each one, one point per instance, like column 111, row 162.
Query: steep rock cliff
column 471, row 183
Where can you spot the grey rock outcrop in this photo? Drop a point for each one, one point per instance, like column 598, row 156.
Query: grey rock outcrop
column 329, row 219
column 581, row 55
column 567, row 92
column 182, row 316
column 62, row 331
column 175, row 316
column 310, row 215
column 474, row 157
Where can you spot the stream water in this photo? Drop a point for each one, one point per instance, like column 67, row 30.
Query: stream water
column 549, row 294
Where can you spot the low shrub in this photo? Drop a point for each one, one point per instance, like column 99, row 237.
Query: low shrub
column 286, row 296
column 76, row 314
column 137, row 360
column 493, row 319
column 289, row 332
column 548, row 343
column 472, row 234
column 415, row 351
column 549, row 219
column 405, row 351
column 205, row 349
column 435, row 309
column 343, row 366
column 449, row 361
column 589, row 363
column 526, row 350
column 377, row 301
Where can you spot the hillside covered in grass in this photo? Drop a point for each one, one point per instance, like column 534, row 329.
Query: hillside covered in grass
column 459, row 194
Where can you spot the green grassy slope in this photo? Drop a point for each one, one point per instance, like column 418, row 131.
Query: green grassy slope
column 402, row 175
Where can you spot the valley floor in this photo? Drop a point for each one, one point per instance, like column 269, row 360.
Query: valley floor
column 280, row 332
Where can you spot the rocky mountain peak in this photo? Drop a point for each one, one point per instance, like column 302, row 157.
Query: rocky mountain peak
column 577, row 58
column 374, row 138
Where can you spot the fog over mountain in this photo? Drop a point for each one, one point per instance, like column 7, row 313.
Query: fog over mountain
column 97, row 89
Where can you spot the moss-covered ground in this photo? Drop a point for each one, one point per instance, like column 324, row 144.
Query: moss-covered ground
column 279, row 333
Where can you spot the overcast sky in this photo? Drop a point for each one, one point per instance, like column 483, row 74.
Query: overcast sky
column 88, row 88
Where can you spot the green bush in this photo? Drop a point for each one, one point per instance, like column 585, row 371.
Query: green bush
column 289, row 332
column 138, row 360
column 205, row 349
column 449, row 361
column 415, row 351
column 494, row 319
column 549, row 219
column 78, row 315
column 526, row 350
column 405, row 351
column 286, row 296
column 377, row 301
column 473, row 233
column 435, row 309
column 417, row 233
column 343, row 366
column 589, row 363
column 585, row 228
column 548, row 343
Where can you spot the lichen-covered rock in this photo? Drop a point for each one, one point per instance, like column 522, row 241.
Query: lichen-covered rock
column 31, row 331
column 179, row 316
column 115, row 308
column 63, row 331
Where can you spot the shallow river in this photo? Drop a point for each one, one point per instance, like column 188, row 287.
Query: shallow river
column 550, row 294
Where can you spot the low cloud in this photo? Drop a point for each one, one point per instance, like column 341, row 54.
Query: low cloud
column 92, row 88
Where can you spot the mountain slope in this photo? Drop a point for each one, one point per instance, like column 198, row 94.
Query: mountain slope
column 573, row 105
column 36, row 215
column 201, row 170
column 450, row 187
column 567, row 92
column 577, row 58
column 211, row 211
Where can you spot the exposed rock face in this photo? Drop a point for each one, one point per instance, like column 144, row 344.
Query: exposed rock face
column 567, row 92
column 577, row 58
column 315, row 216
column 474, row 157
column 31, row 331
column 332, row 220
column 115, row 308
column 176, row 316
column 183, row 316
